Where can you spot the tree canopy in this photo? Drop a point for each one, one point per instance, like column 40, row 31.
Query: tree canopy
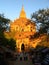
column 42, row 17
column 4, row 25
column 3, row 22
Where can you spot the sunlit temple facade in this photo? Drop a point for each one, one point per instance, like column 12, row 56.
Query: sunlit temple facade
column 22, row 29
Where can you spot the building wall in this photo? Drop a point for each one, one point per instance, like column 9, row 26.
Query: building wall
column 22, row 32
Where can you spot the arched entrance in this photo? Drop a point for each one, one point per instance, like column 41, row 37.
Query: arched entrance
column 22, row 47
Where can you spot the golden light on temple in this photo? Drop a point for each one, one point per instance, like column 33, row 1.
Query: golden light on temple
column 21, row 30
column 22, row 13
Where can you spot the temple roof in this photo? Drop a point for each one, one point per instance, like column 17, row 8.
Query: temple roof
column 22, row 13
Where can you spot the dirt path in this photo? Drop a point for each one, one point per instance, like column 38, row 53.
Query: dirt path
column 28, row 62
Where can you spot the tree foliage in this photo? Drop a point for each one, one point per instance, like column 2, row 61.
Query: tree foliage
column 3, row 26
column 3, row 23
column 11, row 43
column 42, row 17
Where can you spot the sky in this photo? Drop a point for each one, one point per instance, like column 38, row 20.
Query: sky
column 12, row 8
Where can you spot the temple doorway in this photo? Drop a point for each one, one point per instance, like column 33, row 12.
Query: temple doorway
column 22, row 47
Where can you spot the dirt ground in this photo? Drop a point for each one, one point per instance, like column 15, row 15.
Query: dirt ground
column 28, row 62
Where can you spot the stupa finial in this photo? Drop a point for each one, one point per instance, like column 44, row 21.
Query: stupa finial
column 22, row 13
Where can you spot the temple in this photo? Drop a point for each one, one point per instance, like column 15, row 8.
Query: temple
column 22, row 30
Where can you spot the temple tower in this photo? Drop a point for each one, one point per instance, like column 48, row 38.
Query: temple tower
column 22, row 29
column 22, row 13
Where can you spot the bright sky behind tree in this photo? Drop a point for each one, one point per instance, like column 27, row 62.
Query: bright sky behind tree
column 12, row 8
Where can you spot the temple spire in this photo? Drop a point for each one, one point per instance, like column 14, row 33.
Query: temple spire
column 22, row 13
column 22, row 8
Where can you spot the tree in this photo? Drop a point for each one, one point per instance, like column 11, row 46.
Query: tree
column 4, row 22
column 11, row 43
column 3, row 26
column 41, row 18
